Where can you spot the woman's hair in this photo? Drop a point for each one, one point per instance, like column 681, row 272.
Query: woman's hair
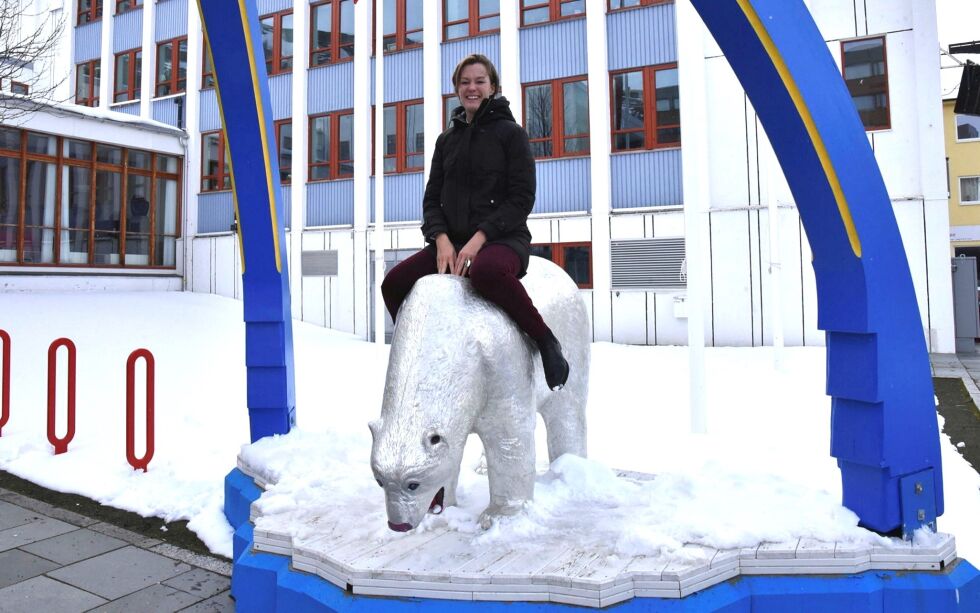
column 477, row 58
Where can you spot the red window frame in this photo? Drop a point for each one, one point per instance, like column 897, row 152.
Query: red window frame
column 401, row 34
column 175, row 78
column 400, row 155
column 283, row 178
column 558, row 135
column 274, row 65
column 445, row 109
column 92, row 99
column 223, row 172
column 650, row 125
column 554, row 11
column 558, row 257
column 335, row 45
column 473, row 19
column 123, row 6
column 91, row 14
column 334, row 163
column 16, row 87
column 858, row 90
column 132, row 91
column 207, row 67
column 639, row 4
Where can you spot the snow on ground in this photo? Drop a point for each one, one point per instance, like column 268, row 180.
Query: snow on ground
column 762, row 473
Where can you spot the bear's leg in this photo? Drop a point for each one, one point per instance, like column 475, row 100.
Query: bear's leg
column 564, row 419
column 510, row 468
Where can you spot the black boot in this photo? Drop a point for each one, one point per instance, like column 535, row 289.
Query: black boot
column 555, row 364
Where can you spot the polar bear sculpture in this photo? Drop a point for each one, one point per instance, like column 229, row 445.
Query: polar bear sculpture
column 458, row 365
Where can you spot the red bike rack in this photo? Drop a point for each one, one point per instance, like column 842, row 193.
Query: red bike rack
column 135, row 462
column 61, row 444
column 5, row 381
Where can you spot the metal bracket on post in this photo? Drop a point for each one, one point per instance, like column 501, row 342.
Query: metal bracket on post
column 917, row 493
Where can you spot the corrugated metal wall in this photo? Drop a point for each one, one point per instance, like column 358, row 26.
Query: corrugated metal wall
column 215, row 212
column 285, row 204
column 281, row 90
column 564, row 186
column 403, row 197
column 132, row 108
column 554, row 50
column 403, row 76
column 127, row 30
column 454, row 51
column 273, row 6
column 330, row 203
column 654, row 26
column 166, row 110
column 171, row 19
column 331, row 88
column 210, row 113
column 88, row 42
column 651, row 178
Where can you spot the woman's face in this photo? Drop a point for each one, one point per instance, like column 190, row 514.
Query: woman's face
column 473, row 88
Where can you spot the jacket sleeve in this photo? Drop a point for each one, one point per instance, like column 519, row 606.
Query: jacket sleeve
column 521, row 184
column 433, row 219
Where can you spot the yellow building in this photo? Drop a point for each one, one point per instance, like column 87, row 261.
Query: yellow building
column 963, row 171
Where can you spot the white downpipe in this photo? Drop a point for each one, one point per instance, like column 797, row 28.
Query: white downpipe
column 775, row 257
column 362, row 167
column 300, row 125
column 510, row 61
column 379, row 174
column 149, row 68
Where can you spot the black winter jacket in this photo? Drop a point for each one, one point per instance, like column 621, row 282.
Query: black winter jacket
column 482, row 178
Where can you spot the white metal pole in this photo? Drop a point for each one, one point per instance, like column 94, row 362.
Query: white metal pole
column 362, row 167
column 775, row 257
column 378, row 238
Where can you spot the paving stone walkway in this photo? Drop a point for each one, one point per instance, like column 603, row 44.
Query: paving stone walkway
column 56, row 561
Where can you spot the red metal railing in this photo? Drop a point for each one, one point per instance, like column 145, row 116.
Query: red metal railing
column 61, row 444
column 5, row 381
column 135, row 462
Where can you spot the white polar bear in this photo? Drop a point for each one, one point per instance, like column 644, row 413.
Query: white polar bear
column 458, row 365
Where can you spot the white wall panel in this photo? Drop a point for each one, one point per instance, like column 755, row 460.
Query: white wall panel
column 897, row 149
column 836, row 18
column 313, row 290
column 629, row 318
column 911, row 224
column 671, row 330
column 730, row 152
column 731, row 278
column 201, row 274
column 888, row 15
column 224, row 266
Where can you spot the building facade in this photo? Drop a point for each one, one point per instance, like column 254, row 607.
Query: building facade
column 963, row 167
column 621, row 151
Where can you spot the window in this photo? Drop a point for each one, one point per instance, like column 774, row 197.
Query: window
column 284, row 147
column 556, row 117
column 331, row 32
column 615, row 5
column 969, row 190
column 449, row 104
column 543, row 11
column 172, row 67
column 128, row 71
column 402, row 24
column 277, row 41
column 89, row 10
column 123, row 6
column 215, row 165
column 574, row 258
column 645, row 108
column 19, row 88
column 404, row 137
column 332, row 146
column 207, row 72
column 87, row 76
column 74, row 202
column 967, row 127
column 866, row 75
column 462, row 18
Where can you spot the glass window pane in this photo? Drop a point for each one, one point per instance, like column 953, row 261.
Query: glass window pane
column 542, row 251
column 320, row 140
column 285, row 151
column 108, row 188
column 82, row 82
column 628, row 101
column 122, row 77
column 389, row 125
column 865, row 75
column 457, row 10
column 460, row 30
column 40, row 187
column 9, row 203
column 541, row 148
column 108, row 155
column 139, row 159
column 164, row 67
column 668, row 98
column 75, row 199
column 78, row 150
column 39, row 245
column 451, row 103
column 576, row 107
column 346, row 143
column 286, row 41
column 576, row 7
column 346, row 30
column 490, row 23
column 166, row 163
column 9, row 139
column 166, row 251
column 137, row 220
column 389, row 16
column 319, row 173
column 389, row 164
column 537, row 110
column 267, row 25
column 970, row 189
column 413, row 16
column 577, row 264
column 322, row 28
column 166, row 207
column 138, row 74
column 668, row 135
column 41, row 143
column 967, row 127
column 538, row 15
column 182, row 65
column 414, row 134
column 577, row 145
column 489, row 7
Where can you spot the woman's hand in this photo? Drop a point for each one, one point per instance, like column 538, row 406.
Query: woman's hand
column 468, row 253
column 445, row 254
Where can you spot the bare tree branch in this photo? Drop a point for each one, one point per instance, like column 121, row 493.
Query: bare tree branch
column 28, row 46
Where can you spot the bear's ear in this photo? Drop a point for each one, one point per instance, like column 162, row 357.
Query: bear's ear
column 375, row 428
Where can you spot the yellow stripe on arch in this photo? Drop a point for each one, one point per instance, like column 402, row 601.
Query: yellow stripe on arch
column 794, row 92
column 250, row 48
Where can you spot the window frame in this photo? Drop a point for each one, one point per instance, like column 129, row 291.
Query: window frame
column 650, row 125
column 558, row 257
column 132, row 88
column 333, row 164
column 124, row 6
column 473, row 19
column 401, row 154
column 274, row 64
column 219, row 177
column 335, row 45
column 400, row 32
column 554, row 12
column 959, row 186
column 93, row 92
column 888, row 93
column 558, row 135
column 956, row 129
column 93, row 14
column 174, row 80
column 278, row 125
column 642, row 4
column 24, row 87
column 206, row 60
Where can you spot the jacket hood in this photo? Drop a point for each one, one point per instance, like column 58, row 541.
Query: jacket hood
column 492, row 109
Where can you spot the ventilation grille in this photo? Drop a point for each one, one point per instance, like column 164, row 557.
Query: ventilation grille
column 649, row 263
column 320, row 263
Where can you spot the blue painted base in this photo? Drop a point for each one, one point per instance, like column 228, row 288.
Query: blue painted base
column 264, row 582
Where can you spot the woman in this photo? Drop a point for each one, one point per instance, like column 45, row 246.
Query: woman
column 480, row 192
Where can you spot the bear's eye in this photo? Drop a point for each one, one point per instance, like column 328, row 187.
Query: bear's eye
column 435, row 440
column 413, row 486
column 380, row 483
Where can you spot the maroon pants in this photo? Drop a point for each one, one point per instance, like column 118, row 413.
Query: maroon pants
column 493, row 274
